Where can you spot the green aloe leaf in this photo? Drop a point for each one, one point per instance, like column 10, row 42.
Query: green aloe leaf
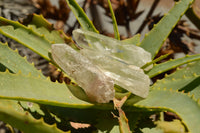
column 52, row 36
column 174, row 126
column 156, row 37
column 38, row 20
column 65, row 99
column 29, row 88
column 41, row 26
column 186, row 79
column 37, row 37
column 26, row 36
column 163, row 67
column 116, row 32
column 80, row 15
column 155, row 61
column 12, row 113
column 180, row 103
column 14, row 62
column 133, row 40
column 32, row 108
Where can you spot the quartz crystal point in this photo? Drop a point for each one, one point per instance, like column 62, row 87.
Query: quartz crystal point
column 130, row 77
column 98, row 87
column 129, row 53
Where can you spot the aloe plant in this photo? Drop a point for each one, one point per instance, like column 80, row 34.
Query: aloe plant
column 29, row 98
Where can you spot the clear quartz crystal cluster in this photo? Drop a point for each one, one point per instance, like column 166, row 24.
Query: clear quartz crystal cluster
column 103, row 62
column 119, row 61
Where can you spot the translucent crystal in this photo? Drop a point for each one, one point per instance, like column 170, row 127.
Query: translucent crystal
column 130, row 77
column 129, row 53
column 98, row 86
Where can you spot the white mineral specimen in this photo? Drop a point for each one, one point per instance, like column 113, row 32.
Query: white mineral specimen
column 98, row 87
column 95, row 68
column 129, row 53
column 130, row 77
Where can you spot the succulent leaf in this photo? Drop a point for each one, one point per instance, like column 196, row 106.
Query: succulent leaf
column 29, row 88
column 38, row 39
column 163, row 67
column 185, row 79
column 180, row 103
column 12, row 113
column 115, row 28
column 156, row 37
column 14, row 62
column 133, row 40
column 41, row 26
column 25, row 36
column 80, row 15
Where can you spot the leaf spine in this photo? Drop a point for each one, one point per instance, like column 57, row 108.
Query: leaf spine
column 29, row 74
column 43, row 36
column 7, row 70
column 25, row 57
column 183, row 91
column 166, row 75
column 49, row 79
column 198, row 101
column 195, row 75
column 16, row 50
column 193, row 97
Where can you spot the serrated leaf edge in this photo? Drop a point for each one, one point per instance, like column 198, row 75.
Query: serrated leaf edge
column 25, row 60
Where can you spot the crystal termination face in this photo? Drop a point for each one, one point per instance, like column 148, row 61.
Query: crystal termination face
column 98, row 87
